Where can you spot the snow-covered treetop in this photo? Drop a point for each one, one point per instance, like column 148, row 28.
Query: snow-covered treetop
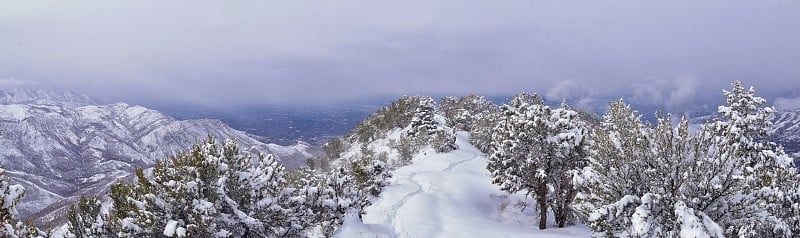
column 744, row 111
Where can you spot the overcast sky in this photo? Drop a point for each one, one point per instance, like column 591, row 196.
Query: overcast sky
column 673, row 53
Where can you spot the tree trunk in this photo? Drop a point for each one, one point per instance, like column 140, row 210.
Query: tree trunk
column 566, row 192
column 541, row 198
column 560, row 210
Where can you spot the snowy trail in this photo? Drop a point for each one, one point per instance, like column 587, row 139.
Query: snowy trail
column 392, row 213
column 445, row 195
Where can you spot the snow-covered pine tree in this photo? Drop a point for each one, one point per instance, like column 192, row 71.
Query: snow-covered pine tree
column 568, row 139
column 471, row 113
column 443, row 140
column 397, row 115
column 766, row 173
column 516, row 139
column 342, row 197
column 614, row 175
column 325, row 202
column 334, row 148
column 252, row 195
column 635, row 183
column 423, row 124
column 536, row 149
column 725, row 176
column 11, row 194
column 182, row 200
column 470, row 108
column 307, row 189
column 406, row 148
column 426, row 130
column 128, row 213
column 208, row 191
column 451, row 109
column 84, row 219
column 370, row 176
column 482, row 130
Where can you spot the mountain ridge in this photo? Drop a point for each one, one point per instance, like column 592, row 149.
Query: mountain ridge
column 59, row 147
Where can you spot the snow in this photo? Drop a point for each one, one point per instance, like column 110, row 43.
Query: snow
column 59, row 231
column 91, row 113
column 447, row 195
column 169, row 230
column 93, row 178
column 694, row 226
column 14, row 112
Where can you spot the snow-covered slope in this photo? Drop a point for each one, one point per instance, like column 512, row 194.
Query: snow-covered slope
column 786, row 131
column 58, row 151
column 449, row 195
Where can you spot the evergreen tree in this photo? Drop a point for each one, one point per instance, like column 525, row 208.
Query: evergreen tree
column 461, row 113
column 324, row 202
column 482, row 130
column 208, row 191
column 11, row 194
column 370, row 176
column 425, row 129
column 536, row 149
column 84, row 219
column 663, row 181
column 252, row 195
column 615, row 173
column 766, row 173
column 423, row 123
column 398, row 114
column 451, row 109
column 568, row 140
column 334, row 148
column 340, row 197
column 407, row 148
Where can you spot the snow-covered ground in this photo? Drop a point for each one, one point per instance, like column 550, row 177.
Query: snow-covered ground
column 449, row 195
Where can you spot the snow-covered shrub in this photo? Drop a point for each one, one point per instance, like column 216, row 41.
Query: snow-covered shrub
column 443, row 140
column 426, row 130
column 406, row 148
column 536, row 149
column 84, row 219
column 10, row 195
column 323, row 202
column 398, row 114
column 662, row 181
column 461, row 113
column 370, row 176
column 207, row 191
column 482, row 129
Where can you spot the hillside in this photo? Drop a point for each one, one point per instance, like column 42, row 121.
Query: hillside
column 58, row 149
column 786, row 131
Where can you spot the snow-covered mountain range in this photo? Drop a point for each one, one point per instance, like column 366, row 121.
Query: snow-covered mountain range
column 60, row 145
column 786, row 131
column 44, row 97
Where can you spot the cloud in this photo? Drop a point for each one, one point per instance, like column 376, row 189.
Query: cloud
column 787, row 104
column 13, row 82
column 675, row 95
column 274, row 52
column 573, row 92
